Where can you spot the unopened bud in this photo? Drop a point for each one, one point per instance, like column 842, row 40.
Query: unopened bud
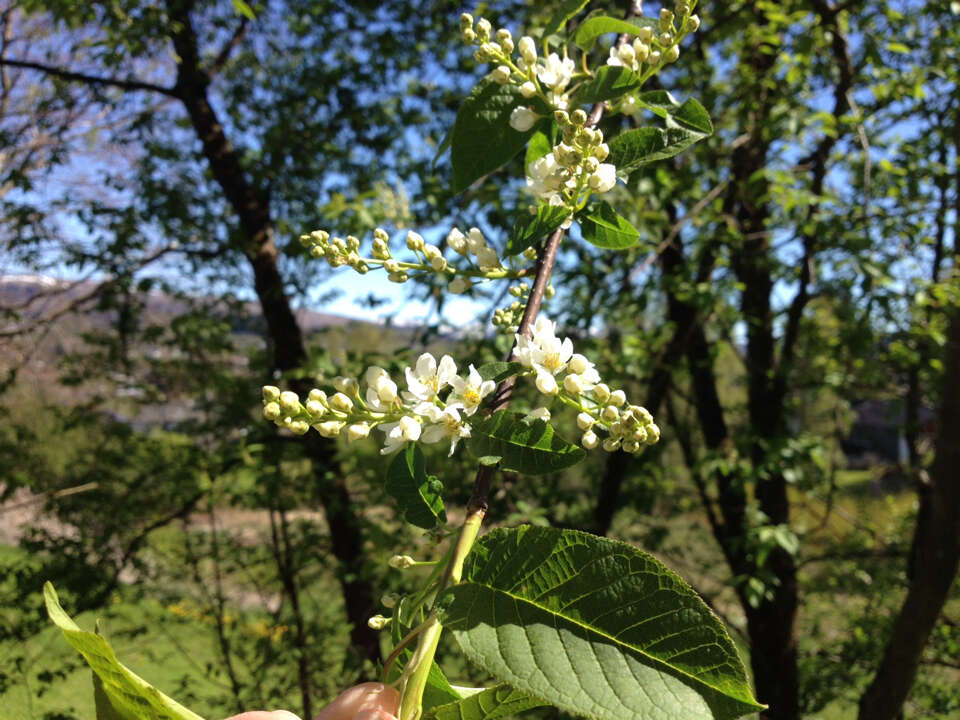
column 528, row 89
column 318, row 396
column 630, row 446
column 585, row 421
column 459, row 285
column 466, row 21
column 589, row 440
column 357, row 431
column 640, row 49
column 666, row 39
column 618, row 398
column 398, row 277
column 611, row 445
column 271, row 411
column 389, row 600
column 341, row 402
column 528, row 49
column 671, row 54
column 601, row 152
column 547, row 383
column 457, row 241
column 289, row 402
column 610, row 413
column 414, row 241
column 378, row 622
column 329, row 429
column 483, row 28
column 468, row 36
column 653, row 59
column 401, row 562
column 298, row 427
column 315, row 408
column 693, row 23
column 501, row 75
column 270, row 393
column 653, row 433
column 530, row 253
column 601, row 392
column 573, row 384
column 578, row 117
column 666, row 20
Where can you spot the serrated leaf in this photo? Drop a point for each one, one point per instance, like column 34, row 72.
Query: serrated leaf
column 567, row 10
column 482, row 139
column 499, row 701
column 636, row 148
column 130, row 695
column 610, row 81
column 499, row 371
column 595, row 627
column 604, row 227
column 531, row 448
column 598, row 25
column 690, row 113
column 408, row 484
column 541, row 143
column 530, row 229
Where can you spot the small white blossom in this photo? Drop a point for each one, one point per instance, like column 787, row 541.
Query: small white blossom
column 540, row 413
column 427, row 378
column 523, row 118
column 470, row 392
column 604, row 179
column 556, row 73
column 406, row 429
column 528, row 89
column 414, row 241
column 488, row 259
column 447, row 425
column 378, row 622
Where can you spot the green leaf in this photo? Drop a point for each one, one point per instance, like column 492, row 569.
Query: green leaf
column 541, row 143
column 241, row 8
column 531, row 448
column 567, row 10
column 691, row 113
column 442, row 148
column 595, row 627
column 437, row 690
column 499, row 701
column 129, row 695
column 603, row 227
column 610, row 81
column 499, row 371
column 636, row 148
column 482, row 139
column 408, row 484
column 101, row 703
column 598, row 25
column 530, row 229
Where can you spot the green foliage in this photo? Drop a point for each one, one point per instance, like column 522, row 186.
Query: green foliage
column 131, row 696
column 603, row 227
column 499, row 701
column 595, row 627
column 482, row 139
column 529, row 447
column 417, row 494
column 592, row 28
column 530, row 230
column 609, row 82
column 636, row 148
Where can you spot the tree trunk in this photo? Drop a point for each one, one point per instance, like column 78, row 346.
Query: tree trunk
column 936, row 555
column 285, row 337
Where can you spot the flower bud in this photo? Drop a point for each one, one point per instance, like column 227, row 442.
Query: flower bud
column 341, row 402
column 693, row 23
column 270, row 393
column 468, row 36
column 318, row 396
column 438, row 263
column 666, row 20
column 389, row 600
column 386, row 390
column 289, row 402
column 547, row 383
column 315, row 408
column 585, row 421
column 642, row 414
column 528, row 89
column 645, row 35
column 516, row 290
column 573, row 384
column 317, row 252
column 401, row 562
column 666, row 39
column 298, row 427
column 530, row 253
column 630, row 446
column 329, row 429
column 459, row 285
column 501, row 75
column 457, row 241
column 378, row 622
column 271, row 411
column 618, row 398
column 483, row 28
column 627, row 54
column 475, row 241
column 487, row 259
column 466, row 21
column 671, row 54
column 610, row 413
column 398, row 277
column 523, row 118
column 640, row 49
column 611, row 445
column 653, row 433
column 578, row 364
column 601, row 392
column 345, row 384
column 549, row 292
column 640, row 434
column 528, row 49
column 653, row 59
column 381, row 251
column 392, row 266
column 505, row 39
column 578, row 117
column 589, row 440
column 357, row 431
column 414, row 241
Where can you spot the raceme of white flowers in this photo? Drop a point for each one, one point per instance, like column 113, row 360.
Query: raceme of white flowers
column 478, row 260
column 438, row 404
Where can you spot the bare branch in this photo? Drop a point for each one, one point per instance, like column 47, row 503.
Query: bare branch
column 63, row 74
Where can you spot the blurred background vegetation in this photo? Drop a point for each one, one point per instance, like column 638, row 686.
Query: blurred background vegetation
column 786, row 317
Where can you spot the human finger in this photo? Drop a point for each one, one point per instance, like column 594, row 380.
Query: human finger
column 367, row 701
column 265, row 715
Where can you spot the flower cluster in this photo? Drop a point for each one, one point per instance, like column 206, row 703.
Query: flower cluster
column 508, row 319
column 546, row 78
column 574, row 380
column 417, row 413
column 575, row 165
column 482, row 261
column 654, row 49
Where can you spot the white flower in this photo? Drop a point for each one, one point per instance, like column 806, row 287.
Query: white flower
column 527, row 49
column 547, row 383
column 406, row 429
column 470, row 392
column 604, row 179
column 558, row 100
column 552, row 354
column 523, row 118
column 545, row 179
column 447, row 425
column 475, row 241
column 540, row 413
column 528, row 89
column 488, row 259
column 585, row 369
column 459, row 285
column 457, row 241
column 428, row 378
column 556, row 73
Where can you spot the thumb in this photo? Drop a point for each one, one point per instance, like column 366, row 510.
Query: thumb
column 367, row 701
